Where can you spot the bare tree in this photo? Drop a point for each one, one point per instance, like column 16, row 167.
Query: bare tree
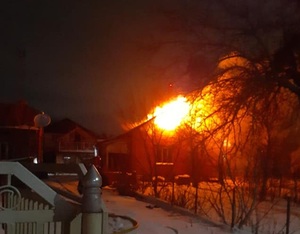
column 243, row 60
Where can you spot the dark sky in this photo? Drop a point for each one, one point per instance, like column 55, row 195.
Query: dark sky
column 80, row 59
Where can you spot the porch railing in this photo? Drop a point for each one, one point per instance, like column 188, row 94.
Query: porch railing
column 76, row 147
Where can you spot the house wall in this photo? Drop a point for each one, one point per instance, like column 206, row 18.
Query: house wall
column 21, row 143
column 142, row 153
column 77, row 135
column 146, row 153
column 141, row 156
column 75, row 146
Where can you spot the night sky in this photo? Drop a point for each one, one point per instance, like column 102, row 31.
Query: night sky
column 83, row 60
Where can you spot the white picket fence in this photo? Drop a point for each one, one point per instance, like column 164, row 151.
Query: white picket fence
column 34, row 209
column 26, row 216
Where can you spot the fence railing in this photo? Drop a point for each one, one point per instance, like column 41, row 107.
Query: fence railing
column 29, row 206
column 24, row 215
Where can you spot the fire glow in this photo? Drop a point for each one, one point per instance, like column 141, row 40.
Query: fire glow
column 170, row 115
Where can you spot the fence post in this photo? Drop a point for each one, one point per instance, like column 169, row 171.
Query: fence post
column 92, row 207
column 288, row 214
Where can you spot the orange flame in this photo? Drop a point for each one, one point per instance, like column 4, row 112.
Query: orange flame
column 172, row 114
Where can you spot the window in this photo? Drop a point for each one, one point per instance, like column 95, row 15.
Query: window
column 164, row 156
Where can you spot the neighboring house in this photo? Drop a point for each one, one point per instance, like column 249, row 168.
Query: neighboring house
column 63, row 142
column 67, row 142
column 18, row 135
column 151, row 155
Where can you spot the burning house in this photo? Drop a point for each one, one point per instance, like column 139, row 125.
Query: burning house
column 158, row 149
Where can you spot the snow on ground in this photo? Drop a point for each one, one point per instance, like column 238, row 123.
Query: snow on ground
column 155, row 220
column 151, row 219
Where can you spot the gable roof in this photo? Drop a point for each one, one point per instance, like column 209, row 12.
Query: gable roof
column 128, row 133
column 17, row 114
column 65, row 126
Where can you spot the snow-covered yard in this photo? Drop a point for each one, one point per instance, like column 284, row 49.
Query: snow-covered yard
column 151, row 219
column 156, row 217
column 155, row 220
column 268, row 216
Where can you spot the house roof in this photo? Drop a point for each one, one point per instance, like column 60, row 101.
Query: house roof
column 65, row 126
column 128, row 133
column 17, row 114
column 131, row 131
